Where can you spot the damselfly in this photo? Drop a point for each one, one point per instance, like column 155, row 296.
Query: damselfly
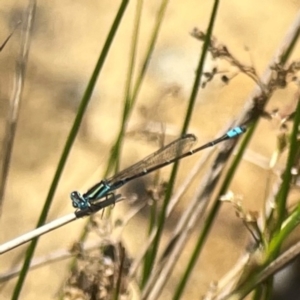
column 168, row 154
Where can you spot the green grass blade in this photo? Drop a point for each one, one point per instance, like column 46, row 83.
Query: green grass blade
column 130, row 100
column 188, row 116
column 212, row 216
column 68, row 146
column 281, row 199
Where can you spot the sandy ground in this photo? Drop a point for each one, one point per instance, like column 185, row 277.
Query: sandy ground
column 67, row 38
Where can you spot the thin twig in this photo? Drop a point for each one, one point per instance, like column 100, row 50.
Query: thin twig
column 46, row 260
column 8, row 38
column 24, row 238
column 57, row 223
column 226, row 283
column 275, row 266
column 185, row 227
column 188, row 180
column 16, row 97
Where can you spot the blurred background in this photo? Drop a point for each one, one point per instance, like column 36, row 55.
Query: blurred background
column 66, row 41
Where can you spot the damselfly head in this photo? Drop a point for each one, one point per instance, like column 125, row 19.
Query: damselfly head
column 78, row 201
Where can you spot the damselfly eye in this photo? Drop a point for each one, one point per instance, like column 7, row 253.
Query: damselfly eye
column 75, row 196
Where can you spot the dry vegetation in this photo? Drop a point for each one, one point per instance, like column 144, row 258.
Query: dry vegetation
column 249, row 78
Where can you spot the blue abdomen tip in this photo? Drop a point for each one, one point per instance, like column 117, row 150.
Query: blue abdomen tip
column 236, row 131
